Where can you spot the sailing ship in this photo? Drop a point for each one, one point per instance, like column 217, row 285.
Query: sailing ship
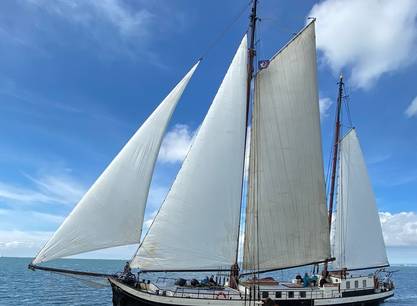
column 197, row 228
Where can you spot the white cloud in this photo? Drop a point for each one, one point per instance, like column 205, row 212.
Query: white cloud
column 370, row 37
column 324, row 105
column 148, row 222
column 47, row 189
column 378, row 158
column 127, row 21
column 25, row 220
column 15, row 243
column 399, row 229
column 176, row 144
column 22, row 243
column 411, row 110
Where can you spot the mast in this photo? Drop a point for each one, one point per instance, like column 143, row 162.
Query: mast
column 251, row 56
column 335, row 149
column 335, row 154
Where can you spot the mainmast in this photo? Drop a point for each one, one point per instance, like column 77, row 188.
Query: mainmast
column 335, row 153
column 251, row 56
column 335, row 149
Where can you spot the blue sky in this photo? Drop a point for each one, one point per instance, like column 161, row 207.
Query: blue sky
column 77, row 78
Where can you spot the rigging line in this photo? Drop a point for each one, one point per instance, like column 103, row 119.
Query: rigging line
column 328, row 173
column 347, row 102
column 226, row 29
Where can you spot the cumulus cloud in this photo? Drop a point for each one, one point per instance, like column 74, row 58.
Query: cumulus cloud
column 176, row 144
column 399, row 229
column 370, row 37
column 324, row 105
column 411, row 110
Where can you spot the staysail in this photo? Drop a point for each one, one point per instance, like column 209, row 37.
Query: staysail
column 286, row 218
column 358, row 241
column 198, row 223
column 111, row 212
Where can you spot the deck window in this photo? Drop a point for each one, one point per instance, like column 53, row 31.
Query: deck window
column 265, row 294
column 347, row 285
column 278, row 294
column 356, row 284
column 291, row 294
column 364, row 283
column 303, row 294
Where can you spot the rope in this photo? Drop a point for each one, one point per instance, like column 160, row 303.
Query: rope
column 226, row 29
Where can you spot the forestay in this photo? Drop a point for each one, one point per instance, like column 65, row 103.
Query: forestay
column 286, row 218
column 111, row 212
column 358, row 240
column 197, row 225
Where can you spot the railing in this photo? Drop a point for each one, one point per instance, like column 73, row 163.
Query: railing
column 208, row 293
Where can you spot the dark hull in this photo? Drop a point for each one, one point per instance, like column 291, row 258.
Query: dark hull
column 123, row 298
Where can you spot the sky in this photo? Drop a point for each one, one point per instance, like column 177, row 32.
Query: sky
column 77, row 79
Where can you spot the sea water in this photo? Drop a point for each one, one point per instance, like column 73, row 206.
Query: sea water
column 20, row 286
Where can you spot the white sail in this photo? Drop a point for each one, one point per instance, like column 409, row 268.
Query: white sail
column 111, row 212
column 358, row 240
column 286, row 218
column 198, row 223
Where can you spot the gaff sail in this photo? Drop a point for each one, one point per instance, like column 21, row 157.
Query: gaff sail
column 286, row 218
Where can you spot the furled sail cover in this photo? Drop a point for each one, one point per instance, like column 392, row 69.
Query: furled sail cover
column 286, row 218
column 198, row 223
column 358, row 241
column 111, row 212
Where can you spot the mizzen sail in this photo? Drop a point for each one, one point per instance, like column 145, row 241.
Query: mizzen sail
column 358, row 241
column 111, row 212
column 286, row 218
column 198, row 223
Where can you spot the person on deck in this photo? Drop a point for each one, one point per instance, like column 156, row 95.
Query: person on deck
column 313, row 280
column 306, row 280
column 324, row 275
column 212, row 281
column 127, row 269
column 234, row 276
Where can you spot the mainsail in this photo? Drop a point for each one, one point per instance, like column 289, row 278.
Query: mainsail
column 286, row 218
column 358, row 240
column 111, row 212
column 198, row 224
